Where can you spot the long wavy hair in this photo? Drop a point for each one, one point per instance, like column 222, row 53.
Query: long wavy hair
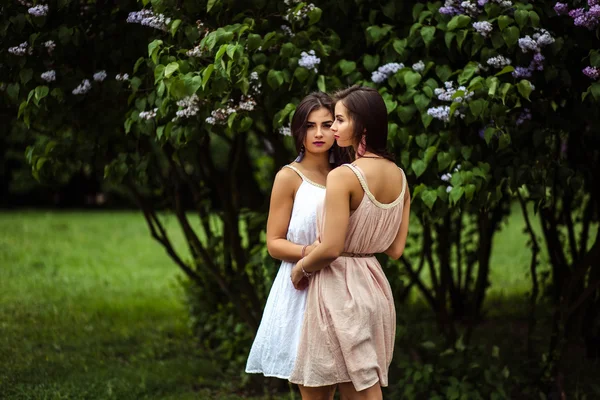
column 368, row 113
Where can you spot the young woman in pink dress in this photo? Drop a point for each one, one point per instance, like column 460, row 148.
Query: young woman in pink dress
column 349, row 324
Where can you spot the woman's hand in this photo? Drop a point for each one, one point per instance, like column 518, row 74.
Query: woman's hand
column 311, row 247
column 299, row 281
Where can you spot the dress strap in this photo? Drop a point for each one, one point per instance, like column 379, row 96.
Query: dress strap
column 303, row 177
column 361, row 178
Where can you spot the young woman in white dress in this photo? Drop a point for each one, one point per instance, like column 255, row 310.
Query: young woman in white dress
column 291, row 233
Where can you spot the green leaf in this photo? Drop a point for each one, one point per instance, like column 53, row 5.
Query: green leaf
column 524, row 88
column 282, row 115
column 460, row 37
column 595, row 89
column 511, row 35
column 321, row 83
column 171, row 68
column 136, row 83
column 448, row 39
column 422, row 140
column 406, row 113
column 253, row 42
column 456, row 193
column 287, row 50
column 504, row 90
column 535, row 19
column 428, row 34
column 421, row 101
column 430, row 153
column 376, row 33
column 211, row 4
column 153, row 48
column 429, row 197
column 443, row 72
column 458, row 21
column 275, row 78
column 347, row 67
column 595, row 58
column 390, row 105
column 231, row 48
column 504, row 21
column 469, row 191
column 370, row 62
column 489, row 133
column 220, row 52
column 469, row 70
column 418, row 166
column 416, row 10
column 443, row 160
column 160, row 131
column 314, row 15
column 301, row 74
column 426, row 119
column 25, row 75
column 521, row 16
column 505, row 70
column 40, row 93
column 206, row 74
column 138, row 63
column 412, row 79
column 477, row 107
column 504, row 141
column 399, row 46
column 245, row 124
column 174, row 25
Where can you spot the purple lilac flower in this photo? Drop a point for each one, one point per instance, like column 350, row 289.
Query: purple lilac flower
column 576, row 12
column 586, row 19
column 522, row 72
column 561, row 8
column 592, row 72
column 482, row 3
column 593, row 2
column 524, row 116
column 594, row 11
column 449, row 10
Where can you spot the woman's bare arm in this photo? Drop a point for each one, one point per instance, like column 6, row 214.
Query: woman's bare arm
column 396, row 249
column 337, row 216
column 280, row 214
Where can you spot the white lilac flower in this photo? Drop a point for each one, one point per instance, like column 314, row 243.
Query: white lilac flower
column 190, row 106
column 469, row 8
column 446, row 177
column 148, row 114
column 195, row 52
column 122, row 77
column 528, row 44
column 385, row 71
column 309, row 60
column 100, row 76
column 442, row 113
column 50, row 45
column 247, row 103
column 543, row 37
column 83, row 88
column 448, row 189
column 447, row 93
column 20, row 50
column 484, row 28
column 39, row 10
column 299, row 15
column 25, row 3
column 287, row 30
column 285, row 131
column 457, row 168
column 49, row 76
column 211, row 120
column 418, row 66
column 499, row 61
column 255, row 83
column 148, row 18
column 291, row 2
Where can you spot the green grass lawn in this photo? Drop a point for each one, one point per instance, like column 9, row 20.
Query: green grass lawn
column 90, row 308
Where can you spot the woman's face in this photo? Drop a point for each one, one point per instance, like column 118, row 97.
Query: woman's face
column 342, row 126
column 319, row 137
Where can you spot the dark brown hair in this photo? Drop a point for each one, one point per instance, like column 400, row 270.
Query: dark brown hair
column 368, row 113
column 310, row 103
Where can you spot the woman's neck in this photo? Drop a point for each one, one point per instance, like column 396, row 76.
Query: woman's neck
column 316, row 161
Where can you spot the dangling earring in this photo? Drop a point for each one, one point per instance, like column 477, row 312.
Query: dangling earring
column 331, row 156
column 362, row 146
column 300, row 155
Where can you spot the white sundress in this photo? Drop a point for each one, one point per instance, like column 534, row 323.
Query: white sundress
column 275, row 346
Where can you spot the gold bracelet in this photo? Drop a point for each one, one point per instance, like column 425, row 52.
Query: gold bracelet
column 306, row 274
